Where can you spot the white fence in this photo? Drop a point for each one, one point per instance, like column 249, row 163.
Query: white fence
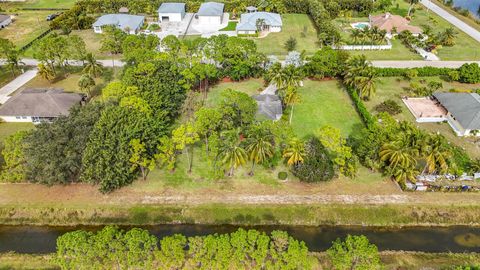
column 364, row 47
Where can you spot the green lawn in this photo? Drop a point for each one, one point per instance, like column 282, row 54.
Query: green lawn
column 324, row 103
column 7, row 129
column 232, row 26
column 48, row 4
column 293, row 26
column 394, row 88
column 398, row 52
column 251, row 87
column 26, row 27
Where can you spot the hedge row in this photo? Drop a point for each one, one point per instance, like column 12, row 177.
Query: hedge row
column 368, row 119
column 28, row 45
column 422, row 71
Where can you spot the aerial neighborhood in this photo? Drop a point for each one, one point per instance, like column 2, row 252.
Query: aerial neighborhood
column 240, row 134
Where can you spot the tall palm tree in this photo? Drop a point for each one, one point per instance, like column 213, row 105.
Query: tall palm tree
column 448, row 36
column 259, row 148
column 360, row 75
column 295, row 152
column 398, row 154
column 366, row 84
column 274, row 75
column 412, row 3
column 356, row 36
column 292, row 76
column 92, row 67
column 404, row 174
column 86, row 83
column 290, row 99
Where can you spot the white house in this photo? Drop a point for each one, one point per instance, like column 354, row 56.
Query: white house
column 131, row 24
column 5, row 20
column 210, row 13
column 38, row 105
column 171, row 12
column 463, row 112
column 249, row 22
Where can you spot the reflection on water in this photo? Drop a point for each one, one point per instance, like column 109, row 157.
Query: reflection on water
column 31, row 239
column 472, row 5
column 470, row 240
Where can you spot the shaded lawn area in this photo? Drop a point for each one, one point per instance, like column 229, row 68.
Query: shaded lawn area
column 324, row 103
column 293, row 26
column 7, row 129
column 394, row 88
column 250, row 87
column 232, row 26
column 26, row 27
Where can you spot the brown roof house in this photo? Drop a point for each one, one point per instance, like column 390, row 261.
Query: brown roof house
column 389, row 22
column 38, row 105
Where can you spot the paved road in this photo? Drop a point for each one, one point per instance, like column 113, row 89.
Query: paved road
column 413, row 64
column 452, row 19
column 14, row 85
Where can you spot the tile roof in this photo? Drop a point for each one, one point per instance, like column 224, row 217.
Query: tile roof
column 388, row 21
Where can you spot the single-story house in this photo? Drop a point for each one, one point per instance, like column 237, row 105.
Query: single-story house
column 463, row 112
column 389, row 22
column 5, row 20
column 272, row 22
column 210, row 13
column 131, row 24
column 38, row 105
column 171, row 12
column 269, row 106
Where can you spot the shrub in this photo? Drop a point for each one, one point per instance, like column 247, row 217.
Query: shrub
column 410, row 74
column 389, row 106
column 290, row 44
column 154, row 27
column 454, row 75
column 469, row 73
column 317, row 165
column 282, row 175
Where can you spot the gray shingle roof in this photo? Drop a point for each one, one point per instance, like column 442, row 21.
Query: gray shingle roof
column 172, row 8
column 40, row 102
column 122, row 21
column 211, row 9
column 465, row 107
column 248, row 21
column 4, row 17
column 269, row 106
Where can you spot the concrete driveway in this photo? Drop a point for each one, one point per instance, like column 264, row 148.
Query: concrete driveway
column 14, row 85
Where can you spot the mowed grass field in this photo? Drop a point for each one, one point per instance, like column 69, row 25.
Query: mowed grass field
column 324, row 103
column 26, row 26
column 395, row 87
column 47, row 4
column 293, row 26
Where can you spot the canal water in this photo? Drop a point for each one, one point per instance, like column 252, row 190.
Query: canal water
column 472, row 5
column 32, row 239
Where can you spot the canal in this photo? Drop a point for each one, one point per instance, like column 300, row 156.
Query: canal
column 39, row 239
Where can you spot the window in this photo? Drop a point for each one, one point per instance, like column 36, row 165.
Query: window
column 17, row 117
column 24, row 117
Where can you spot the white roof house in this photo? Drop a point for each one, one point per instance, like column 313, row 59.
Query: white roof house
column 248, row 22
column 171, row 12
column 211, row 13
column 128, row 23
column 5, row 20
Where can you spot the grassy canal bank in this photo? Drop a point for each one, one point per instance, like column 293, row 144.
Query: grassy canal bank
column 215, row 214
column 392, row 260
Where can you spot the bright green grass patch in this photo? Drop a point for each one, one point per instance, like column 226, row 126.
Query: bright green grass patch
column 398, row 52
column 232, row 26
column 324, row 103
column 49, row 4
column 250, row 87
column 7, row 129
column 294, row 25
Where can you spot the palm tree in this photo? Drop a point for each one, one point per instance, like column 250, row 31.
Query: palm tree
column 412, row 3
column 356, row 36
column 274, row 75
column 448, row 37
column 295, row 152
column 86, row 83
column 360, row 75
column 366, row 84
column 437, row 155
column 292, row 76
column 398, row 154
column 92, row 67
column 259, row 148
column 45, row 72
column 290, row 99
column 404, row 174
column 232, row 154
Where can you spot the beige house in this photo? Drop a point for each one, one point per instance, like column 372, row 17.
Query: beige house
column 389, row 23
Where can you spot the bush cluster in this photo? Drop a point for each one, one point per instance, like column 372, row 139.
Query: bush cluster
column 389, row 106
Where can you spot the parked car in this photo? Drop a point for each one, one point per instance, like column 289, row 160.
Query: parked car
column 53, row 16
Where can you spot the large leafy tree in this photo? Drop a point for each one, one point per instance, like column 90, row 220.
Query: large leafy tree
column 53, row 152
column 185, row 136
column 53, row 50
column 326, row 62
column 140, row 158
column 317, row 165
column 112, row 41
column 354, row 253
column 13, row 155
column 9, row 52
column 238, row 109
column 340, row 152
column 207, row 121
